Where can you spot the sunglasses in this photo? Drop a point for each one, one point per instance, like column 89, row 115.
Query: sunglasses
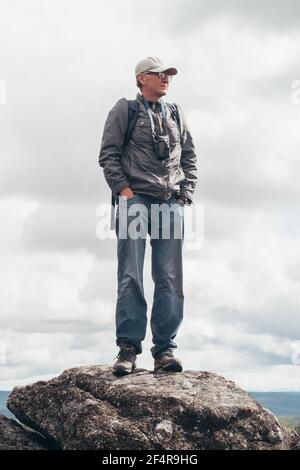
column 161, row 75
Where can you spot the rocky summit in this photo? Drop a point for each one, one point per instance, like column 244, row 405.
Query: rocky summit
column 90, row 408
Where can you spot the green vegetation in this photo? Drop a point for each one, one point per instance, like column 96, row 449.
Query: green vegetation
column 292, row 422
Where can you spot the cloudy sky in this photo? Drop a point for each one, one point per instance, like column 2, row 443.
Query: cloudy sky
column 63, row 65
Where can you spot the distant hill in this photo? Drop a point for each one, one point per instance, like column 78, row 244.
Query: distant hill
column 279, row 403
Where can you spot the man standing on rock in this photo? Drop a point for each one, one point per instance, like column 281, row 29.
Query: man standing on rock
column 148, row 158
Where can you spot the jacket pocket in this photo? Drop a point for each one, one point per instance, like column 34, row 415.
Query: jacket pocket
column 174, row 133
column 142, row 132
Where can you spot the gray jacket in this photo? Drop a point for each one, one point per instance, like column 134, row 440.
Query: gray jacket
column 137, row 165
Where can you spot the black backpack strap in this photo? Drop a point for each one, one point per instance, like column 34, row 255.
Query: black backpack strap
column 112, row 211
column 176, row 115
column 133, row 113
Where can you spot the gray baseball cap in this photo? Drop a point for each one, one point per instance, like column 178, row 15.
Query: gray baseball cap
column 153, row 64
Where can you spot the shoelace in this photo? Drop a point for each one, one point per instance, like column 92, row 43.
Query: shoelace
column 169, row 353
column 125, row 349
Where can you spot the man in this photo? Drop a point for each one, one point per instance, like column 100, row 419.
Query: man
column 157, row 166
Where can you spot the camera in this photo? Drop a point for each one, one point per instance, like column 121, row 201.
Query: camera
column 161, row 146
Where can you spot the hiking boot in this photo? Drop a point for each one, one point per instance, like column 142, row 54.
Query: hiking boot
column 126, row 359
column 165, row 361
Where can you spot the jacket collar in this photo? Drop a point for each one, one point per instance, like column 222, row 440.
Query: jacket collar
column 139, row 97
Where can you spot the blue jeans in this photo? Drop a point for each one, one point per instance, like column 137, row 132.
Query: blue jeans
column 167, row 275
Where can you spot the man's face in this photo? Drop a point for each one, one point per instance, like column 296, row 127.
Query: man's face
column 154, row 84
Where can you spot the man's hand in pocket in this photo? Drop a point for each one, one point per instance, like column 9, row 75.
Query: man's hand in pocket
column 127, row 192
column 181, row 201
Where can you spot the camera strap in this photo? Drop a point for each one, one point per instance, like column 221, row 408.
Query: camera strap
column 163, row 111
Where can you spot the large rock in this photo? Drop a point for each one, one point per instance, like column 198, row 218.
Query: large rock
column 15, row 437
column 90, row 408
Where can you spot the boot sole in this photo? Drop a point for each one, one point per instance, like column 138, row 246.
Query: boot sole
column 170, row 368
column 119, row 371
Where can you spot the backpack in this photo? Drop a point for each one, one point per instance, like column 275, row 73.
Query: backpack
column 133, row 112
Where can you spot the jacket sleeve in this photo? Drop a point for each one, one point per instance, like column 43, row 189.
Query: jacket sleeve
column 112, row 146
column 188, row 160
